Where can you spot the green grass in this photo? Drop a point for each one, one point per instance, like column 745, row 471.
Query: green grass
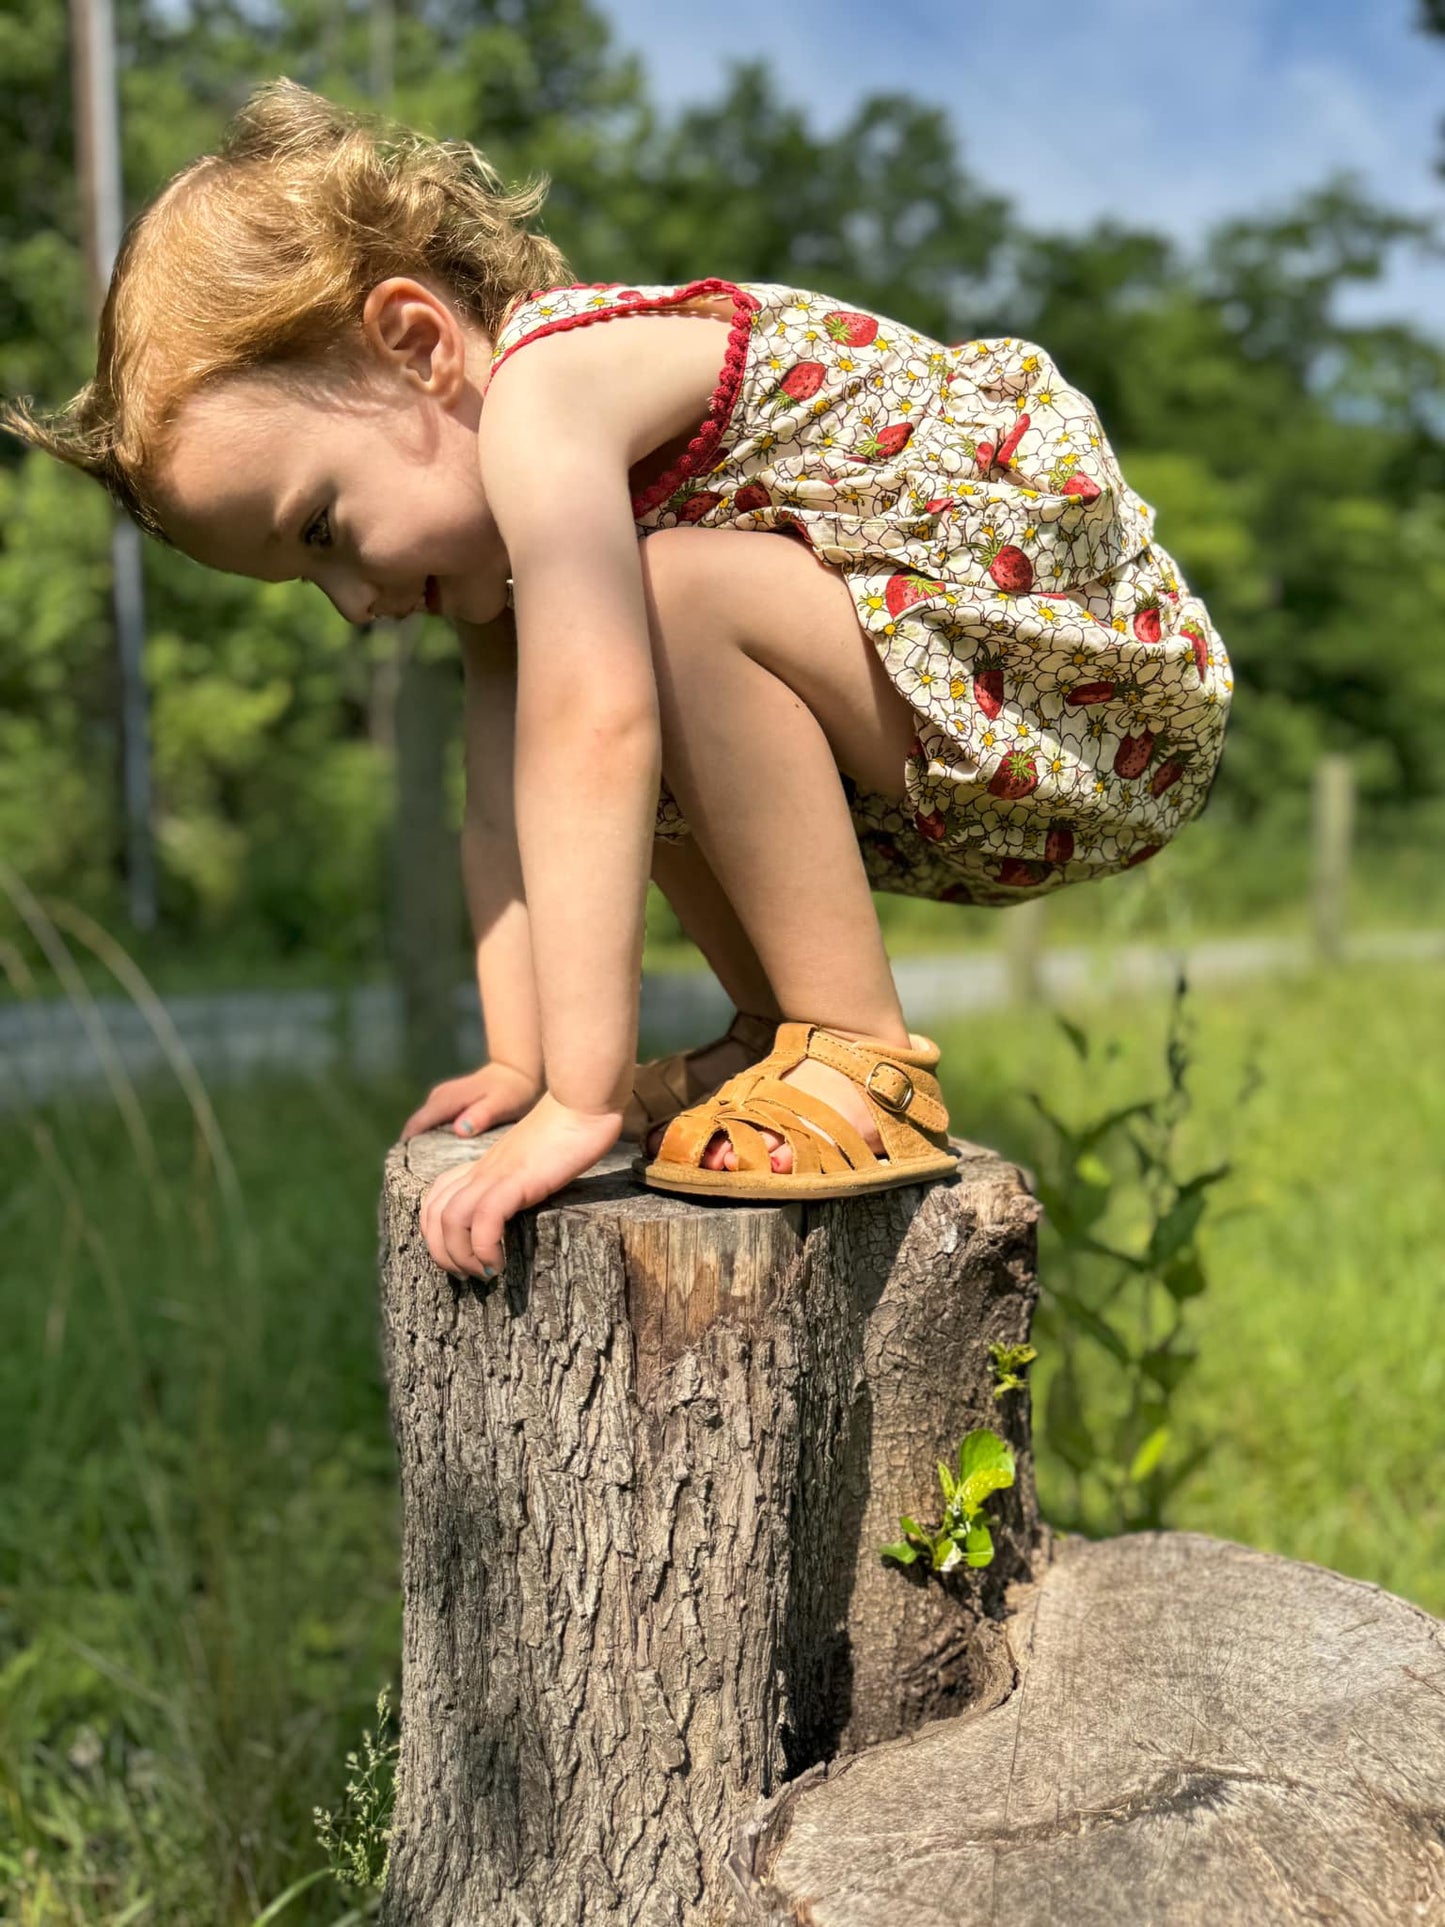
column 1213, row 881
column 198, row 1530
column 1321, row 1370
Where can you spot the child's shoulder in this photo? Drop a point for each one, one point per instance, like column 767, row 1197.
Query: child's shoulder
column 571, row 306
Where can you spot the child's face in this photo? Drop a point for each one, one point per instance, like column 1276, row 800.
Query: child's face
column 370, row 489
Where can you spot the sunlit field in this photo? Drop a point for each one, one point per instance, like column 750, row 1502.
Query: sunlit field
column 198, row 1525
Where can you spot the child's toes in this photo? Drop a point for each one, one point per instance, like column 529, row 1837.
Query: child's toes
column 720, row 1155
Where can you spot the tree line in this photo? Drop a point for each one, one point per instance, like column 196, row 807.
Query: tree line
column 1294, row 454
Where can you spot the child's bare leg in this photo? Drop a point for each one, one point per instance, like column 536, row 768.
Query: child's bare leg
column 682, row 873
column 768, row 687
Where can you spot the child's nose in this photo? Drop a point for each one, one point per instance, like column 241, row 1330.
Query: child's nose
column 352, row 600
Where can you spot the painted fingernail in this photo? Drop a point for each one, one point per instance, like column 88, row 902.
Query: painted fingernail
column 466, row 1127
column 489, row 1271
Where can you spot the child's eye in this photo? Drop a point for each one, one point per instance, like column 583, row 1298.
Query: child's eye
column 321, row 523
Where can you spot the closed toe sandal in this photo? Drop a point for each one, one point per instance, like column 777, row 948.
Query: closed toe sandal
column 664, row 1086
column 830, row 1158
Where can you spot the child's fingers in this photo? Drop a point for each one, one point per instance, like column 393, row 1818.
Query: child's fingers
column 439, row 1107
column 433, row 1229
column 482, row 1115
column 469, row 1225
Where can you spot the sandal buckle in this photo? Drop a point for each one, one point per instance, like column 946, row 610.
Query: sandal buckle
column 895, row 1101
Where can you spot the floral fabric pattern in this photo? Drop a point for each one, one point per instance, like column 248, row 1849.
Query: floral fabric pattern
column 1070, row 689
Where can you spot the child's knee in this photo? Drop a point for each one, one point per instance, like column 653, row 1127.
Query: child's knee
column 670, row 567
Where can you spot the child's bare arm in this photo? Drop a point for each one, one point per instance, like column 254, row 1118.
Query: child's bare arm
column 511, row 1079
column 588, row 751
column 588, row 766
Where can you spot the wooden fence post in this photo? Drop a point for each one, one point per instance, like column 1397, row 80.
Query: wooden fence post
column 1334, row 816
column 1025, row 927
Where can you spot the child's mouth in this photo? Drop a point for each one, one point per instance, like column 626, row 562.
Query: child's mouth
column 433, row 596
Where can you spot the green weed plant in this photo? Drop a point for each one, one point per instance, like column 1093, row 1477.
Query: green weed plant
column 357, row 1839
column 985, row 1465
column 1120, row 1264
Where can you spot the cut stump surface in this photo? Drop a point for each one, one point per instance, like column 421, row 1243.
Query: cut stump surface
column 1200, row 1735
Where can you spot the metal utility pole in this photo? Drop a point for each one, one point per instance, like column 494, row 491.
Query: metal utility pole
column 383, row 52
column 97, row 130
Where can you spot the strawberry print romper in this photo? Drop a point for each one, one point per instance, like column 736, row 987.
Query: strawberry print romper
column 1070, row 690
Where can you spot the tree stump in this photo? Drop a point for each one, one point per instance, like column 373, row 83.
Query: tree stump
column 645, row 1477
column 1200, row 1734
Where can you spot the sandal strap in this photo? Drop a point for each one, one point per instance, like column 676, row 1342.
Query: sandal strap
column 755, row 1033
column 902, row 1093
column 663, row 1086
column 899, row 1083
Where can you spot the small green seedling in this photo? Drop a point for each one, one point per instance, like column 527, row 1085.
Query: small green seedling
column 985, row 1464
column 1008, row 1362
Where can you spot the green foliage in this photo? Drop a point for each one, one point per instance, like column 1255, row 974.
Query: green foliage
column 1295, row 457
column 198, row 1522
column 1008, row 1364
column 1120, row 1262
column 198, row 1532
column 985, row 1465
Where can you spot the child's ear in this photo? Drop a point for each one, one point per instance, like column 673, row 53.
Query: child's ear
column 417, row 334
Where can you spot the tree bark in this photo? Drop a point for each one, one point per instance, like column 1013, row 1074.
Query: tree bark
column 1199, row 1734
column 645, row 1475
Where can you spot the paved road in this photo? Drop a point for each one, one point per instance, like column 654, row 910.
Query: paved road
column 51, row 1045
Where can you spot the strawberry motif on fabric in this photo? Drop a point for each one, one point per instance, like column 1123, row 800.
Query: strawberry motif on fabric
column 1071, row 691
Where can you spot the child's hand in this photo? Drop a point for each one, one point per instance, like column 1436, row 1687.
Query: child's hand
column 472, row 1104
column 464, row 1210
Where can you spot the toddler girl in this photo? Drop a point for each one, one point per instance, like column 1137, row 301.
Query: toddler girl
column 895, row 620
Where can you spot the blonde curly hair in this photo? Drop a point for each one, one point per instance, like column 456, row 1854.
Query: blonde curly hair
column 263, row 253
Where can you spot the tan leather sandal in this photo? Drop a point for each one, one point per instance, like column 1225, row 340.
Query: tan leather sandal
column 830, row 1158
column 664, row 1086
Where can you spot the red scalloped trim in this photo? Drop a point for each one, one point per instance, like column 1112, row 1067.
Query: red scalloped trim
column 703, row 446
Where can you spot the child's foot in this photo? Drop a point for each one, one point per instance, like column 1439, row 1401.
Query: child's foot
column 818, row 1080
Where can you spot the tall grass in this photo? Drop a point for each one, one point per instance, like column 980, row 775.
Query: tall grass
column 198, row 1527
column 198, row 1522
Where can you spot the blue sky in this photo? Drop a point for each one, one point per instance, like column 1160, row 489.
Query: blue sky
column 1169, row 113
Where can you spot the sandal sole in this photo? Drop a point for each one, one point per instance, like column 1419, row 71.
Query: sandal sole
column 758, row 1188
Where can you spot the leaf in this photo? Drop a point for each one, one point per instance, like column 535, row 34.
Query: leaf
column 976, row 1488
column 1010, row 1358
column 1169, row 1481
column 1184, row 1278
column 1203, row 1179
column 1077, row 1037
column 984, row 1451
column 1099, row 1329
column 1149, row 1454
column 1092, row 1169
column 946, row 1552
column 947, row 1481
column 978, row 1546
column 1094, row 1134
column 1167, row 1368
column 901, row 1551
column 1177, row 1227
column 913, row 1529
